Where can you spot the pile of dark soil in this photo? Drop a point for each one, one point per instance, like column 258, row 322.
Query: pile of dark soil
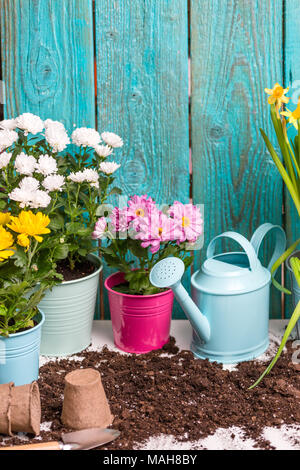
column 176, row 394
column 83, row 269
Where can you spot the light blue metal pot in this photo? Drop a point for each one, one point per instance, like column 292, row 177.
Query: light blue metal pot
column 69, row 312
column 19, row 355
column 230, row 307
column 294, row 286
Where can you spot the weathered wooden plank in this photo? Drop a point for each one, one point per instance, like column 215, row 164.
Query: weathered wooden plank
column 142, row 92
column 47, row 59
column 292, row 78
column 236, row 51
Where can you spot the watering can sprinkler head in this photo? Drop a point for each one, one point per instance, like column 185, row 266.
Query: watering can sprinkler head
column 168, row 273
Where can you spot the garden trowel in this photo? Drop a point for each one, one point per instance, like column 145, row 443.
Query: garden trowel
column 77, row 440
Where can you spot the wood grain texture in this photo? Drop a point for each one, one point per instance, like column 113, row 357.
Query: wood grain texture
column 142, row 93
column 236, row 51
column 47, row 59
column 292, row 79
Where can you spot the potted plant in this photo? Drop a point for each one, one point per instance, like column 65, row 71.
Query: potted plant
column 67, row 183
column 138, row 236
column 24, row 277
column 289, row 168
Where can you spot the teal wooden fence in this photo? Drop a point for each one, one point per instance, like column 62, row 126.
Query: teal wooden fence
column 122, row 65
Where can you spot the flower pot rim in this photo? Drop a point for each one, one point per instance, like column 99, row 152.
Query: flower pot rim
column 13, row 335
column 85, row 277
column 287, row 262
column 132, row 295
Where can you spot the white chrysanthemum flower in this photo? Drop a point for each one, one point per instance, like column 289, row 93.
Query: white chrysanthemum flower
column 77, row 177
column 103, row 150
column 91, row 176
column 86, row 137
column 53, row 182
column 29, row 184
column 109, row 167
column 25, row 164
column 5, row 159
column 46, row 165
column 22, row 196
column 7, row 138
column 95, row 185
column 30, row 123
column 50, row 123
column 56, row 135
column 111, row 139
column 39, row 198
column 8, row 124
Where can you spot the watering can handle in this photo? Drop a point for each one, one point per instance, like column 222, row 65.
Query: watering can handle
column 245, row 244
column 280, row 244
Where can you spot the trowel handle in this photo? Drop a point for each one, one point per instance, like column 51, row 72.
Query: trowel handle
column 280, row 241
column 40, row 446
column 198, row 321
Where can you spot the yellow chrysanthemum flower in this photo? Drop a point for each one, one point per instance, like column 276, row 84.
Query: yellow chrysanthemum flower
column 23, row 240
column 293, row 115
column 277, row 94
column 6, row 244
column 29, row 225
column 4, row 218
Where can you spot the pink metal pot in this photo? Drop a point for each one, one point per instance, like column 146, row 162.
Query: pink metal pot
column 140, row 323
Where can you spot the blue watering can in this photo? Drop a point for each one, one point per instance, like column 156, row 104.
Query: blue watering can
column 229, row 312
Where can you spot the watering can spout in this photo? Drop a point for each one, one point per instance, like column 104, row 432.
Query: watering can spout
column 198, row 321
column 168, row 273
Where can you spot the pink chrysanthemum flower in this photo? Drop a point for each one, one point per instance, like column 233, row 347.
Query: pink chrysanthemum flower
column 120, row 219
column 100, row 228
column 188, row 221
column 139, row 206
column 156, row 229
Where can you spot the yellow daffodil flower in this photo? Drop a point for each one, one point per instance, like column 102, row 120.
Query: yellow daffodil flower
column 4, row 218
column 293, row 115
column 6, row 244
column 29, row 225
column 277, row 94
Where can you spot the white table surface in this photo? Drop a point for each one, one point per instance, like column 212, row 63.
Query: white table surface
column 180, row 329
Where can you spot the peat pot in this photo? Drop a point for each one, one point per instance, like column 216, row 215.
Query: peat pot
column 140, row 323
column 19, row 355
column 69, row 312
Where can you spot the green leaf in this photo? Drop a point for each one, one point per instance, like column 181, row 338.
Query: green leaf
column 278, row 262
column 20, row 258
column 282, row 171
column 295, row 265
column 84, row 231
column 57, row 222
column 73, row 227
column 294, row 318
column 61, row 251
column 136, row 248
column 82, row 252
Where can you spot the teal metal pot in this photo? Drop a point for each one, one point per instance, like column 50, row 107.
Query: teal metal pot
column 294, row 285
column 69, row 312
column 19, row 355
